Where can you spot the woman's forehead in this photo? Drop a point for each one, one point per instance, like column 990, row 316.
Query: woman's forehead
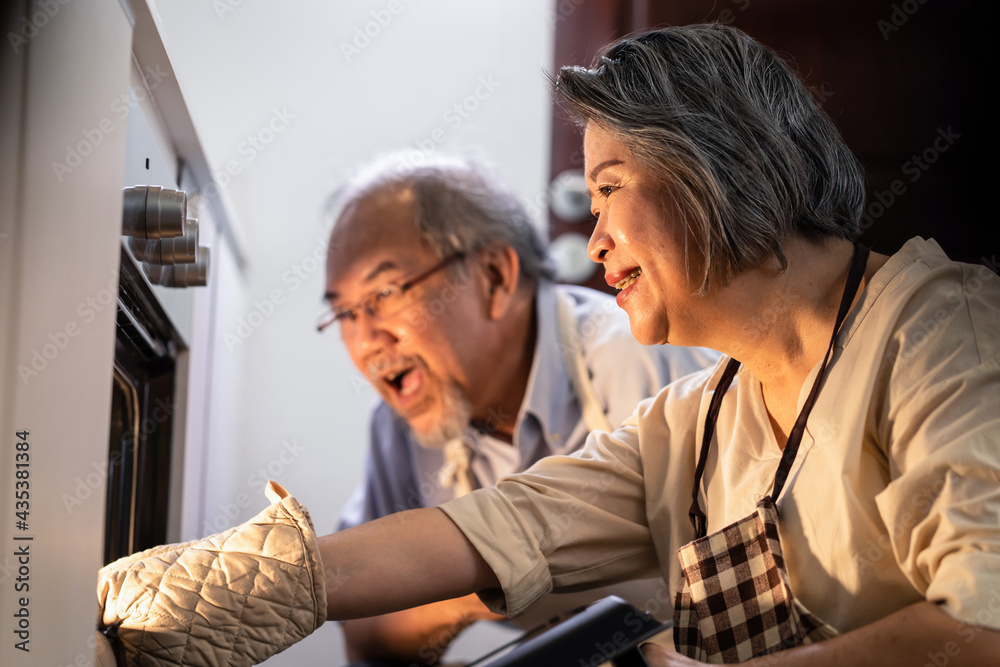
column 601, row 148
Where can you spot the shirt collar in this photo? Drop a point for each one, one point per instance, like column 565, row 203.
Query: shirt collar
column 549, row 408
column 911, row 251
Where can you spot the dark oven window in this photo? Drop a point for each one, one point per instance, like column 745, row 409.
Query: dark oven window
column 142, row 412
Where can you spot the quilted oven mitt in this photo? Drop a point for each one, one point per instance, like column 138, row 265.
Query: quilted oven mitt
column 234, row 599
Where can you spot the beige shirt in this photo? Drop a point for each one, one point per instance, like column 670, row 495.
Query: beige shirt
column 894, row 497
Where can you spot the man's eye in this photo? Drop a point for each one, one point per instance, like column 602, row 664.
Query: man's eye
column 345, row 315
column 386, row 295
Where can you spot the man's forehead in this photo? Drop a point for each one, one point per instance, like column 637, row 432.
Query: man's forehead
column 386, row 209
column 377, row 219
column 349, row 273
column 373, row 244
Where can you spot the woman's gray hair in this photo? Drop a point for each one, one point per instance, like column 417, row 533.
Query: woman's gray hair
column 460, row 206
column 745, row 155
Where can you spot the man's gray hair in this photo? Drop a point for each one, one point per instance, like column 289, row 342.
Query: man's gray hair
column 745, row 155
column 459, row 206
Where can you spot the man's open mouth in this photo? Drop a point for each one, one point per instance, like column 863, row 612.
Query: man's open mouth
column 404, row 381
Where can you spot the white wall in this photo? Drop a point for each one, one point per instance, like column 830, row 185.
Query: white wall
column 320, row 99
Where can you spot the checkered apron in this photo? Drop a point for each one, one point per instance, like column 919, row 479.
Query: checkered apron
column 735, row 602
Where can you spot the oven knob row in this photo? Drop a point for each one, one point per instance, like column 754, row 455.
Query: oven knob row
column 163, row 237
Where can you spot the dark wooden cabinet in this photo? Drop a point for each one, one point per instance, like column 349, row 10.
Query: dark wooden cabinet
column 904, row 82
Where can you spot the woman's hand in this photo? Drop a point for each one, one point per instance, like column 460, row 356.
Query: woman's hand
column 919, row 634
column 420, row 635
column 661, row 656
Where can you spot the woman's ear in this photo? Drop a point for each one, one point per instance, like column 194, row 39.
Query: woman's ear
column 501, row 277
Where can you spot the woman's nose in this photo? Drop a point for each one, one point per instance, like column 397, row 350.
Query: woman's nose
column 600, row 242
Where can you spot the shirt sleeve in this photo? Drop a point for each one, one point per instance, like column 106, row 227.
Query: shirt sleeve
column 388, row 485
column 941, row 420
column 567, row 523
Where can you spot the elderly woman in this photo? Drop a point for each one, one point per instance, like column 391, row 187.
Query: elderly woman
column 832, row 487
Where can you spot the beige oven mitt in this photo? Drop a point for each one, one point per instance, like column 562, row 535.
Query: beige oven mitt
column 235, row 598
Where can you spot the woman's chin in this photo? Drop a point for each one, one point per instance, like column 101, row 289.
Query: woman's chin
column 646, row 334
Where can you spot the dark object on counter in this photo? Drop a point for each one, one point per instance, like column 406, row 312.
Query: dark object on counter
column 608, row 630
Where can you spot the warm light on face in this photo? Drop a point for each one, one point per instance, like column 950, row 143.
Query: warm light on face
column 383, row 302
column 639, row 241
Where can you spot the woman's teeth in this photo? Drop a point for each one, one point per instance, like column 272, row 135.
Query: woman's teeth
column 631, row 278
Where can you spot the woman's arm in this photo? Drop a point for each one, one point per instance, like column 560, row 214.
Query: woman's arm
column 918, row 635
column 420, row 635
column 400, row 561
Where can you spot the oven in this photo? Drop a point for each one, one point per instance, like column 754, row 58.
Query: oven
column 108, row 363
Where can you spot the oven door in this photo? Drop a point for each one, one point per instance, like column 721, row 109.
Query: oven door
column 142, row 416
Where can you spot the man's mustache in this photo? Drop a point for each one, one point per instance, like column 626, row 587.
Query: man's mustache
column 378, row 366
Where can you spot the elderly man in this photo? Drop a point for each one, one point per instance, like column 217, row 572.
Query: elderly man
column 439, row 287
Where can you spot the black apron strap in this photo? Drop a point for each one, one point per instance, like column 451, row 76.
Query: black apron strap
column 795, row 435
column 697, row 516
column 698, row 519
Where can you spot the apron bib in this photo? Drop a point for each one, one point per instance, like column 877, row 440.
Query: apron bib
column 735, row 601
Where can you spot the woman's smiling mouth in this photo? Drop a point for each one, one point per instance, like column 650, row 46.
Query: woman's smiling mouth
column 628, row 280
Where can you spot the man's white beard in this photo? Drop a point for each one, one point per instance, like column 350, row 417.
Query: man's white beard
column 456, row 412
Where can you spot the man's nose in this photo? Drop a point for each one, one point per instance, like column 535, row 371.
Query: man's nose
column 369, row 335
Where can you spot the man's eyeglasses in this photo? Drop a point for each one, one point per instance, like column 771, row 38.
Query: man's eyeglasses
column 383, row 302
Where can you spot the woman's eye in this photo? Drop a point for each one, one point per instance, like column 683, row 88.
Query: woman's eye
column 606, row 190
